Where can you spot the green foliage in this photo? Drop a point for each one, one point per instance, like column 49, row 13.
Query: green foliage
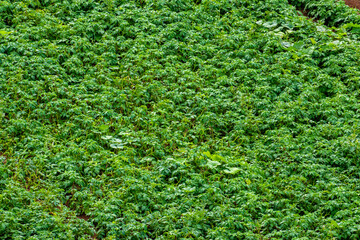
column 178, row 119
column 332, row 12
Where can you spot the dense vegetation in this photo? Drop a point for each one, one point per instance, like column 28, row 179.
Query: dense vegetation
column 332, row 12
column 178, row 119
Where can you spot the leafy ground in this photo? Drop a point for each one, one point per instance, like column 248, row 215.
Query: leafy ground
column 179, row 119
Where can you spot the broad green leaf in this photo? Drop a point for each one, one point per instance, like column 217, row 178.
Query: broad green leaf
column 232, row 170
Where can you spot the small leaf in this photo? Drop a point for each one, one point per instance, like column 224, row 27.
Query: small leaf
column 286, row 44
column 4, row 33
column 208, row 154
column 117, row 146
column 320, row 29
column 116, row 140
column 298, row 45
column 106, row 137
column 216, row 157
column 270, row 24
column 103, row 127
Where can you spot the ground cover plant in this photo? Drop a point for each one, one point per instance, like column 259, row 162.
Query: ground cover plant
column 178, row 119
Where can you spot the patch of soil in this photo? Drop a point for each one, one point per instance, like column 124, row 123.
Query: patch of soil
column 305, row 13
column 353, row 3
column 83, row 216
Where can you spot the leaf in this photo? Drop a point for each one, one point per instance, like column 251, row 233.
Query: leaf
column 320, row 29
column 298, row 45
column 116, row 146
column 212, row 164
column 286, row 44
column 270, row 24
column 217, row 157
column 232, row 170
column 279, row 34
column 106, row 137
column 116, row 140
column 4, row 33
column 103, row 127
column 208, row 154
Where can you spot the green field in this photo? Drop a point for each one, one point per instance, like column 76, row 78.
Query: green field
column 179, row 119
